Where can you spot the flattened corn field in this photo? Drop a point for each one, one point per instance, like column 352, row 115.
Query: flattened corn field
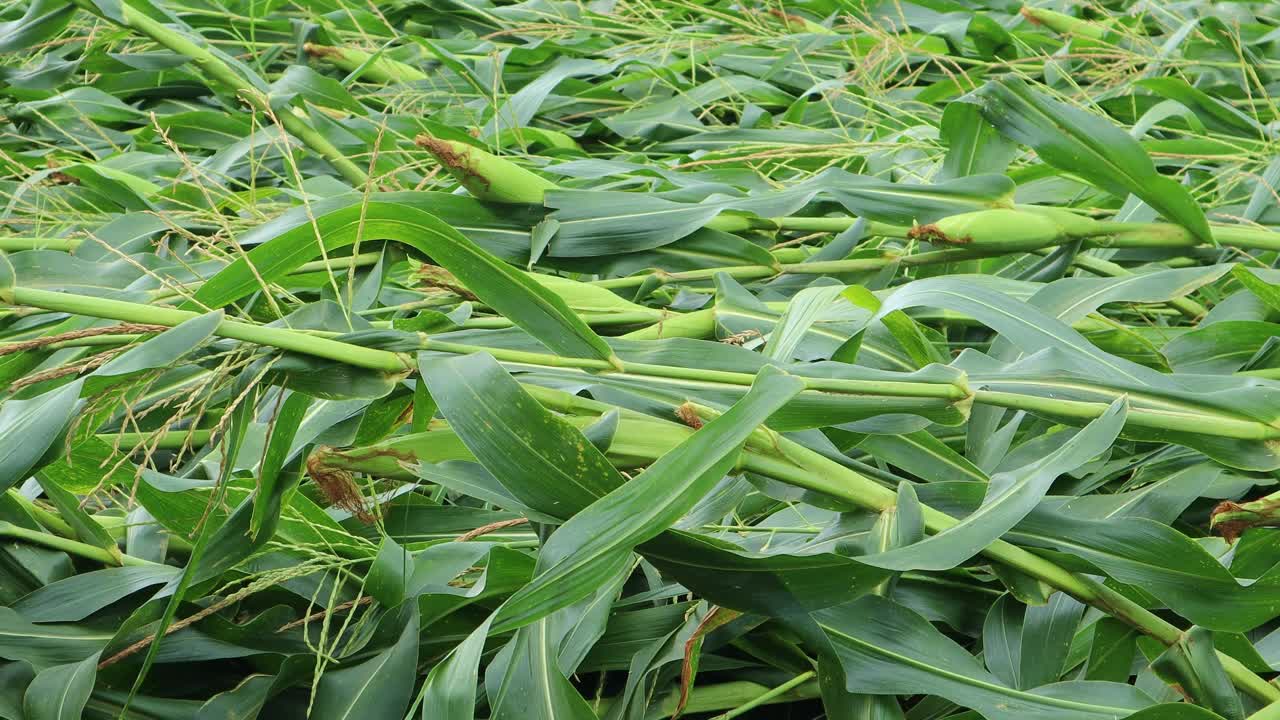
column 638, row 359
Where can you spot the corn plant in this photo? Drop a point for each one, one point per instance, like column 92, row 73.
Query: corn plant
column 637, row 359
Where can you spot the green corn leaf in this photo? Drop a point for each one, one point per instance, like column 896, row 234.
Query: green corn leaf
column 1162, row 561
column 886, row 648
column 799, row 316
column 543, row 460
column 84, row 527
column 1194, row 666
column 28, row 428
column 61, row 692
column 47, row 644
column 974, row 147
column 1219, row 349
column 164, row 349
column 1027, row 647
column 79, row 596
column 923, row 455
column 449, row 692
column 1181, row 711
column 293, row 242
column 243, row 701
column 381, row 686
column 1024, row 326
column 1011, row 496
column 1111, row 652
column 42, row 21
column 1265, row 291
column 533, row 686
column 273, row 479
column 594, row 542
column 1088, row 146
column 388, row 578
column 1071, row 299
column 781, row 583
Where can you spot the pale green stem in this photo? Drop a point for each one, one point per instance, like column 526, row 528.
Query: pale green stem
column 1085, row 411
column 73, row 547
column 399, row 363
column 16, row 244
column 766, row 697
column 337, row 263
column 1109, row 235
column 819, row 267
column 276, row 337
column 1076, row 410
column 805, row 468
column 945, row 391
column 1166, row 235
column 48, row 519
column 773, row 455
column 632, row 317
column 118, row 527
column 166, row 440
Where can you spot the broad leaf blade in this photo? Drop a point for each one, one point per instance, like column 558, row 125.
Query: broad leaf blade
column 596, row 541
column 886, row 648
column 531, row 306
column 1086, row 145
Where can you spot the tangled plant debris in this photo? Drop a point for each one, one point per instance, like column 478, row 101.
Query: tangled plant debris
column 634, row 359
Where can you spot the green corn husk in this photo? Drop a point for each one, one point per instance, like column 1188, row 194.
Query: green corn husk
column 1004, row 230
column 486, row 176
column 383, row 70
column 1064, row 24
column 799, row 23
column 997, row 230
column 1074, row 225
column 1230, row 519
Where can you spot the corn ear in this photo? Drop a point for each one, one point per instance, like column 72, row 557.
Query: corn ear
column 383, row 70
column 1004, row 230
column 1073, row 224
column 1063, row 24
column 486, row 176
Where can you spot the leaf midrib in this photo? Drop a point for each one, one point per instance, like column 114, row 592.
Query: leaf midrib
column 977, row 683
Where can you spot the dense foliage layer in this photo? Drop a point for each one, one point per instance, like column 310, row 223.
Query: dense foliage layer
column 620, row 359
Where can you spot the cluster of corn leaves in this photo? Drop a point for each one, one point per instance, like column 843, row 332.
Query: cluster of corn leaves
column 305, row 416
